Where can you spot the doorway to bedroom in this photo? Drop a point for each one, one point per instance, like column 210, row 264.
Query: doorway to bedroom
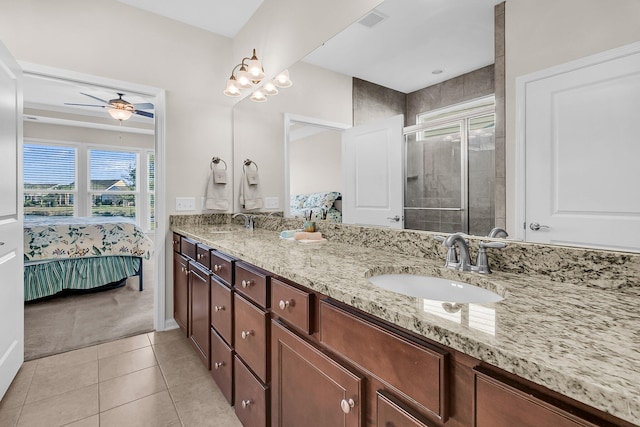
column 90, row 176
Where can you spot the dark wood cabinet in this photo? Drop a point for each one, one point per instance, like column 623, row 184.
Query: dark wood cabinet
column 502, row 403
column 222, row 267
column 222, row 365
column 199, row 317
column 391, row 412
column 292, row 305
column 310, row 388
column 251, row 336
column 251, row 397
column 222, row 310
column 417, row 372
column 181, row 291
column 188, row 247
column 176, row 242
column 252, row 283
column 203, row 255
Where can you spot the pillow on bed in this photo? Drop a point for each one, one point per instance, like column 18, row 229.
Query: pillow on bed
column 324, row 200
column 297, row 201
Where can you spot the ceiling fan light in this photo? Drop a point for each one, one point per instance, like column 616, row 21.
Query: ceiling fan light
column 282, row 80
column 243, row 79
column 119, row 113
column 258, row 96
column 270, row 88
column 232, row 87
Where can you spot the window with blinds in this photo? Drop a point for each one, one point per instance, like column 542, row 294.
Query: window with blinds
column 113, row 178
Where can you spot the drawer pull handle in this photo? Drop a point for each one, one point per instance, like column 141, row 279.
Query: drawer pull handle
column 246, row 283
column 217, row 365
column 246, row 334
column 246, row 403
column 346, row 405
column 218, row 308
column 284, row 304
column 217, row 268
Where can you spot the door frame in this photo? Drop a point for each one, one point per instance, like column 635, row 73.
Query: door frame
column 520, row 232
column 160, row 322
column 290, row 119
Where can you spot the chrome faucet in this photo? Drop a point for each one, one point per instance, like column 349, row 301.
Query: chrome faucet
column 498, row 232
column 248, row 220
column 457, row 240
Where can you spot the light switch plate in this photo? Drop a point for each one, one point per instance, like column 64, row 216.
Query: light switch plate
column 271, row 202
column 185, row 203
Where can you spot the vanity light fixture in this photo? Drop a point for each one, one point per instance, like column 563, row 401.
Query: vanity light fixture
column 250, row 74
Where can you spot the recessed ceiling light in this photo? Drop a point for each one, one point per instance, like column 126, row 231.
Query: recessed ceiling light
column 438, row 71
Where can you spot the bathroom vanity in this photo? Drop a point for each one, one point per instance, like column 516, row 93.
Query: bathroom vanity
column 298, row 336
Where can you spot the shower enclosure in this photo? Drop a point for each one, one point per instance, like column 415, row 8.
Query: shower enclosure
column 450, row 170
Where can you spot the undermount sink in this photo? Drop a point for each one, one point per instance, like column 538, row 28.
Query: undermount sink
column 434, row 288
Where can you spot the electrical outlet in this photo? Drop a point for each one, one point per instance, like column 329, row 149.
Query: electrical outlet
column 185, row 203
column 271, row 202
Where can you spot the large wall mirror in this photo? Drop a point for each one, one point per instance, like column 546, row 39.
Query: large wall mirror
column 385, row 64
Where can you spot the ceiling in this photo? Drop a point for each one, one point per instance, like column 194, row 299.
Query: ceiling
column 224, row 17
column 415, row 38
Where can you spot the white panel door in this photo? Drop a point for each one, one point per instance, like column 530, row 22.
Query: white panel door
column 11, row 235
column 582, row 155
column 372, row 173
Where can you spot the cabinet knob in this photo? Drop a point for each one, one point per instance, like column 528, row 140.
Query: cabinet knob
column 246, row 403
column 217, row 365
column 246, row 334
column 246, row 283
column 346, row 405
column 284, row 304
column 175, row 242
column 198, row 256
column 217, row 267
column 217, row 308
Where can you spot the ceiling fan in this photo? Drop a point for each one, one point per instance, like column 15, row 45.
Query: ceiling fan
column 119, row 108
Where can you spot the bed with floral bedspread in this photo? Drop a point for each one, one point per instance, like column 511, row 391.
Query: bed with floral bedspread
column 320, row 206
column 80, row 253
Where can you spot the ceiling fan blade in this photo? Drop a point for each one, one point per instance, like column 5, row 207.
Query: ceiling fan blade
column 85, row 105
column 144, row 113
column 95, row 97
column 143, row 106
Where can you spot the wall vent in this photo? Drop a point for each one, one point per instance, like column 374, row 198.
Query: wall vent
column 372, row 19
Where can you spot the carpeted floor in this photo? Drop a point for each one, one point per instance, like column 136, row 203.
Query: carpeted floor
column 75, row 321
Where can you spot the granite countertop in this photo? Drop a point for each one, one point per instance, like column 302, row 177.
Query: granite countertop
column 579, row 341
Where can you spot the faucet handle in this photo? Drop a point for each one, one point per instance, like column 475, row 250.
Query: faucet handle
column 496, row 245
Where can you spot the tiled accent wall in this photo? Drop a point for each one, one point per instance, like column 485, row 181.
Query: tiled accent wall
column 374, row 102
column 500, row 180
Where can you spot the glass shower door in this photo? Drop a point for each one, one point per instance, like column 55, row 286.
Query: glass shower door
column 436, row 178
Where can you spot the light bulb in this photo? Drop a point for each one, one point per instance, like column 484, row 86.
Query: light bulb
column 270, row 88
column 283, row 80
column 254, row 68
column 119, row 113
column 243, row 78
column 232, row 88
column 258, row 96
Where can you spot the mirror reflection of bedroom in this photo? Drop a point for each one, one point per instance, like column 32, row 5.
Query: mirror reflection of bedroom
column 89, row 181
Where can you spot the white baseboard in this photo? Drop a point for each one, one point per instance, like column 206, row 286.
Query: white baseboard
column 170, row 324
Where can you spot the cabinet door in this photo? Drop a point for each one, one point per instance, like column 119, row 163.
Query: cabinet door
column 251, row 336
column 250, row 396
column 222, row 365
column 199, row 324
column 498, row 404
column 222, row 310
column 181, row 291
column 391, row 412
column 311, row 389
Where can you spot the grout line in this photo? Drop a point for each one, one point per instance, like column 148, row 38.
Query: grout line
column 175, row 407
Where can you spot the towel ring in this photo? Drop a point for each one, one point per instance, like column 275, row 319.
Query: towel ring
column 248, row 163
column 217, row 160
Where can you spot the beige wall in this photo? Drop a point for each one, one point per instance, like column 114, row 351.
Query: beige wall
column 543, row 33
column 314, row 163
column 259, row 127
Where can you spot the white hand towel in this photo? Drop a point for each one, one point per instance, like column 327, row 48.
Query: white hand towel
column 250, row 194
column 217, row 196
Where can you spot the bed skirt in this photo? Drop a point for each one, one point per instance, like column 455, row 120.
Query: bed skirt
column 48, row 278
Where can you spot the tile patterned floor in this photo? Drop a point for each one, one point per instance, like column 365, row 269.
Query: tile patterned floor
column 153, row 379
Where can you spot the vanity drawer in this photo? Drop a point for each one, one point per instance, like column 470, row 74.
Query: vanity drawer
column 221, row 309
column 188, row 247
column 416, row 371
column 252, row 283
column 222, row 266
column 251, row 336
column 291, row 305
column 222, row 365
column 250, row 397
column 176, row 242
column 202, row 255
column 392, row 412
column 500, row 403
